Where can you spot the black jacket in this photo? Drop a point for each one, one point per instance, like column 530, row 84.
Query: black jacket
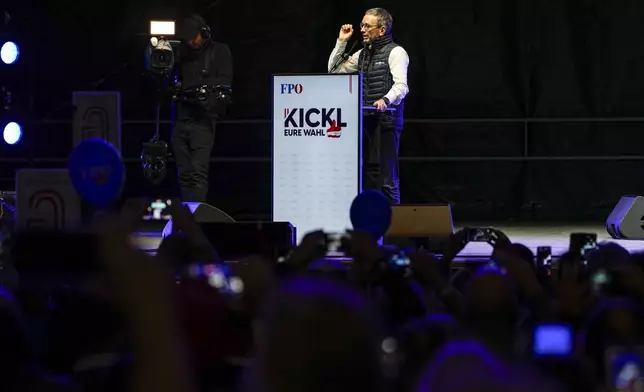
column 210, row 65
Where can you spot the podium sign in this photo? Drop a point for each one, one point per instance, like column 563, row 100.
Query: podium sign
column 97, row 114
column 317, row 143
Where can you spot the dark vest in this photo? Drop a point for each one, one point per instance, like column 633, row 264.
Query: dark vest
column 377, row 79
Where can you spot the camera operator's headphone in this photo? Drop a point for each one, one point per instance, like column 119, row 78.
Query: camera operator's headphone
column 204, row 30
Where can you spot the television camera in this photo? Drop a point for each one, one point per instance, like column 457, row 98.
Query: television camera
column 160, row 53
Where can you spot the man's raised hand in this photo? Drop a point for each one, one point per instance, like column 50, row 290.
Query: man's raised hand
column 345, row 32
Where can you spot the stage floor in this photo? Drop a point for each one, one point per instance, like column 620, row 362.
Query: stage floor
column 555, row 236
column 533, row 236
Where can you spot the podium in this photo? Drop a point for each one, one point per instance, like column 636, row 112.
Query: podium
column 317, row 150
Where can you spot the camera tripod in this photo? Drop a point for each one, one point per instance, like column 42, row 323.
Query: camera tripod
column 155, row 152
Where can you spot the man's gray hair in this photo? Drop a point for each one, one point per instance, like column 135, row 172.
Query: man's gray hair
column 384, row 18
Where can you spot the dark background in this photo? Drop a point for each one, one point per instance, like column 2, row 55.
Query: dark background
column 481, row 67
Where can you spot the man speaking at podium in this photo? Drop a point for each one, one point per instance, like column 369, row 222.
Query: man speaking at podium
column 383, row 64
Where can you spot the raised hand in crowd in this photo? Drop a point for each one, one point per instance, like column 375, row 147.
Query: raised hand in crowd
column 630, row 274
column 145, row 290
column 311, row 248
column 366, row 253
column 455, row 245
column 522, row 272
column 259, row 279
column 572, row 289
column 430, row 274
column 183, row 222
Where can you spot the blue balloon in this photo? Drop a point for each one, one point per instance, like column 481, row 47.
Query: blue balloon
column 97, row 172
column 371, row 212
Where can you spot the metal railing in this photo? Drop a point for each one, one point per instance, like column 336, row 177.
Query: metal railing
column 135, row 160
column 481, row 120
column 524, row 157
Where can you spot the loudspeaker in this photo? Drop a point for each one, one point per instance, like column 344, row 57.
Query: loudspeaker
column 203, row 213
column 626, row 222
column 421, row 220
column 424, row 226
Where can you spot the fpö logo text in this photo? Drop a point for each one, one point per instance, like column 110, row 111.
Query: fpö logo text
column 291, row 88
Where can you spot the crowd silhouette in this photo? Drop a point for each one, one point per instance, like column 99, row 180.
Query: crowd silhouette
column 389, row 320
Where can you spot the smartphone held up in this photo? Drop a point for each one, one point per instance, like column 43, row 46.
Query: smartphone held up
column 158, row 210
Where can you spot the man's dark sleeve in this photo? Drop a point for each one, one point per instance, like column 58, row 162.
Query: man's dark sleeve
column 221, row 74
column 224, row 61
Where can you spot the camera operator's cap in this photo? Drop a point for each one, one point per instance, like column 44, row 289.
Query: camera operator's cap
column 97, row 172
column 371, row 212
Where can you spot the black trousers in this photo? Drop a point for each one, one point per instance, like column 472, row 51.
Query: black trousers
column 380, row 143
column 192, row 142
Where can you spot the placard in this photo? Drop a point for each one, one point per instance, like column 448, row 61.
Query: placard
column 317, row 170
column 97, row 114
column 46, row 199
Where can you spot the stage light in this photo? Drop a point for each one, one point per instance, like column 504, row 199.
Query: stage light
column 162, row 28
column 9, row 53
column 12, row 133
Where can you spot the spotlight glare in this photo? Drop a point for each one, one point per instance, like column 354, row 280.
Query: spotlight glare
column 9, row 53
column 12, row 133
column 162, row 28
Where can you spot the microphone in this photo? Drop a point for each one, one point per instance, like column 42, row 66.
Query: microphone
column 348, row 53
column 343, row 57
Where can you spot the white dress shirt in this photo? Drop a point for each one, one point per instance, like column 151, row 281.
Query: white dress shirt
column 398, row 63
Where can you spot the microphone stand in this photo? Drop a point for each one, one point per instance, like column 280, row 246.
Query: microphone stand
column 343, row 57
column 155, row 152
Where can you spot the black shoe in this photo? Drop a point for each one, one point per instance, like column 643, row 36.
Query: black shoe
column 200, row 194
column 187, row 194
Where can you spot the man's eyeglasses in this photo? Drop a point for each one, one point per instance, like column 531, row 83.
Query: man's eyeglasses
column 366, row 26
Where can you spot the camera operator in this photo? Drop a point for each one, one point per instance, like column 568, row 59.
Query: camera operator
column 203, row 67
